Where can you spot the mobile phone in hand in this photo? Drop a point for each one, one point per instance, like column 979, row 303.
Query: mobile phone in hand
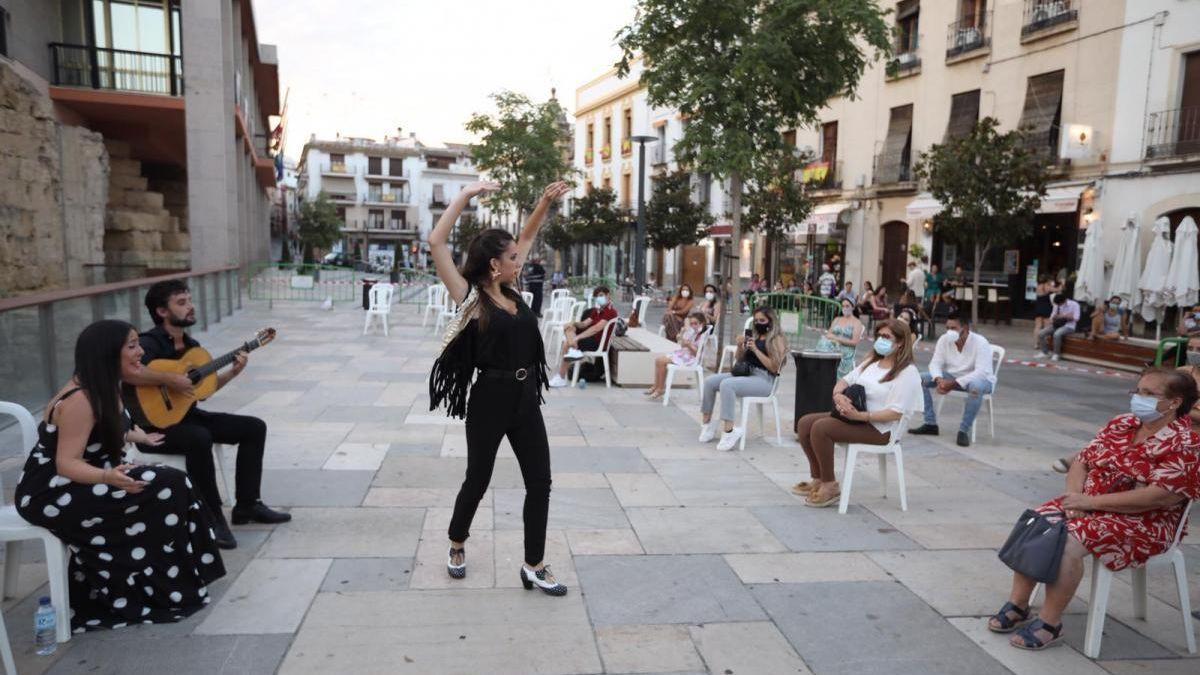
column 749, row 333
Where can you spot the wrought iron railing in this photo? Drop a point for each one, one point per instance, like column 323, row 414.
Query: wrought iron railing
column 822, row 175
column 967, row 35
column 892, row 168
column 1172, row 133
column 116, row 69
column 1042, row 14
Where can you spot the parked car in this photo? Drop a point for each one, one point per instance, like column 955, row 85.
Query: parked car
column 338, row 259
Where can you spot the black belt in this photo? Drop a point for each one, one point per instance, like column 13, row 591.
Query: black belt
column 520, row 374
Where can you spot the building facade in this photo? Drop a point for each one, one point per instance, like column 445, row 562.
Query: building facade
column 388, row 194
column 181, row 176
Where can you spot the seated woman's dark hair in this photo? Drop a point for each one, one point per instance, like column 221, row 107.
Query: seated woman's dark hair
column 98, row 371
column 1178, row 384
column 477, row 266
column 714, row 290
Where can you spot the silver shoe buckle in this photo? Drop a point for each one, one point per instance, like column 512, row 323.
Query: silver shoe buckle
column 521, row 374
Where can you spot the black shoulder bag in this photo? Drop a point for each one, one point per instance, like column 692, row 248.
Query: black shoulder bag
column 858, row 398
column 1035, row 546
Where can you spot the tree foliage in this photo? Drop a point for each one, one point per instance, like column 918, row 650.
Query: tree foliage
column 464, row 231
column 595, row 219
column 520, row 148
column 319, row 226
column 673, row 218
column 990, row 185
column 775, row 200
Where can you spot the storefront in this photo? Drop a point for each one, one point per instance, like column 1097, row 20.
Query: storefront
column 819, row 240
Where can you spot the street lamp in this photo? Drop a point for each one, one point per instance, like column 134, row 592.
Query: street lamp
column 639, row 246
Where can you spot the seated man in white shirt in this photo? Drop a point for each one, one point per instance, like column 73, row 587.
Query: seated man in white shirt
column 962, row 360
column 1063, row 319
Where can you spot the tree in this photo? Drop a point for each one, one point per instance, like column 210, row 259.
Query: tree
column 595, row 219
column 558, row 236
column 673, row 218
column 319, row 227
column 775, row 201
column 740, row 71
column 990, row 185
column 521, row 148
column 464, row 231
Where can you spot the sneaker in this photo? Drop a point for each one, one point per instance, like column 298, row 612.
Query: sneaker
column 709, row 431
column 543, row 579
column 730, row 439
column 1062, row 464
column 573, row 354
column 964, row 439
column 925, row 430
column 1040, row 355
column 1054, row 357
column 559, row 381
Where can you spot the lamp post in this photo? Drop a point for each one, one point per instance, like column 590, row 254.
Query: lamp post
column 639, row 246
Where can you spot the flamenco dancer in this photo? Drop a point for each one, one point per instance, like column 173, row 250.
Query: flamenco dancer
column 496, row 334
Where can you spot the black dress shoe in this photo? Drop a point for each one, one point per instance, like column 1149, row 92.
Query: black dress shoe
column 964, row 439
column 221, row 534
column 258, row 513
column 925, row 430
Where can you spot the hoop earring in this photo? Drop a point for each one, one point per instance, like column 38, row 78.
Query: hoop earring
column 495, row 274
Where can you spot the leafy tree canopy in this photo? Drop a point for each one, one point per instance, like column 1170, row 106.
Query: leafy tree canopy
column 775, row 200
column 673, row 218
column 319, row 225
column 595, row 218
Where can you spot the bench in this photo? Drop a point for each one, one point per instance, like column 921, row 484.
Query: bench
column 1132, row 354
column 633, row 356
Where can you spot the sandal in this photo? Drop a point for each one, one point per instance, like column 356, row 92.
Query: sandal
column 814, row 498
column 805, row 487
column 1006, row 624
column 1029, row 640
column 656, row 396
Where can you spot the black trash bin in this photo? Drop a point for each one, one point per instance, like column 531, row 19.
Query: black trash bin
column 816, row 373
column 367, row 284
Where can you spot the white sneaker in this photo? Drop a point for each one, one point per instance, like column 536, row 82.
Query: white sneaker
column 1054, row 357
column 574, row 354
column 559, row 381
column 709, row 431
column 730, row 439
column 1040, row 355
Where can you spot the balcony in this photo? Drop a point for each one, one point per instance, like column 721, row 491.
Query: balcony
column 377, row 197
column 116, row 69
column 626, row 147
column 1043, row 18
column 893, row 173
column 606, row 152
column 338, row 170
column 821, row 176
column 1173, row 134
column 436, row 204
column 968, row 38
column 588, row 155
column 906, row 64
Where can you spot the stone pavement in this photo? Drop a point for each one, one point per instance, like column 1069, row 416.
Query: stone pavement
column 680, row 558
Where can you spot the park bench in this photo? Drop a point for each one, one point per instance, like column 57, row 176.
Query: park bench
column 1132, row 354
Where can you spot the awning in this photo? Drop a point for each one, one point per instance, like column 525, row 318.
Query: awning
column 720, row 230
column 923, row 207
column 1061, row 199
column 822, row 219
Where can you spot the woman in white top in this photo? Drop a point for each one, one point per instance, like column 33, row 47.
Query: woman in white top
column 893, row 388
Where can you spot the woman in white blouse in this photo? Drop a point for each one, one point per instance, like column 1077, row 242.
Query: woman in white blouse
column 893, row 388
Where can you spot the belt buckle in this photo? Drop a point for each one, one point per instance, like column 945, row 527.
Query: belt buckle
column 521, row 374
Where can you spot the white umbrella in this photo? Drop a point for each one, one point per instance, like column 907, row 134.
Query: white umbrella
column 1089, row 285
column 1124, row 282
column 1183, row 277
column 1153, row 282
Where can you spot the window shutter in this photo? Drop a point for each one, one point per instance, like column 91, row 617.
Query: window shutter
column 964, row 113
column 891, row 160
column 1043, row 99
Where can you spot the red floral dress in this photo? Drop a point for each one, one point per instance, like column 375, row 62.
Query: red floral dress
column 1170, row 459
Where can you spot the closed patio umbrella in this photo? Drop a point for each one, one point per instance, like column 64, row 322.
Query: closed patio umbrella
column 1153, row 281
column 1089, row 285
column 1124, row 282
column 1183, row 277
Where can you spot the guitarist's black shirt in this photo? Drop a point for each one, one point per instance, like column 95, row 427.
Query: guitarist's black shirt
column 157, row 343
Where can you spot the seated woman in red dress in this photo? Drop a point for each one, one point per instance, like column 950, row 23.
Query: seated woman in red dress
column 1125, row 495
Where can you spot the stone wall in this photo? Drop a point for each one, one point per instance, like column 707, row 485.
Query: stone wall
column 53, row 189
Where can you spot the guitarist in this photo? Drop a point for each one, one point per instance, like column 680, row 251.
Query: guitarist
column 170, row 306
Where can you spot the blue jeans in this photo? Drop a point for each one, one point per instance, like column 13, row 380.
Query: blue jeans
column 975, row 391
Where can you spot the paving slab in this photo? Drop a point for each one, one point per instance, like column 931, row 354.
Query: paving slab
column 647, row 649
column 269, row 596
column 1061, row 661
column 794, row 568
column 751, row 648
column 598, row 459
column 347, row 533
column 429, row 567
column 192, row 655
column 510, row 555
column 357, row 457
column 306, row 487
column 676, row 529
column 604, row 542
column 368, row 574
column 802, row 528
column 641, row 489
column 570, row 508
column 719, row 483
column 440, row 472
column 418, row 497
column 655, row 589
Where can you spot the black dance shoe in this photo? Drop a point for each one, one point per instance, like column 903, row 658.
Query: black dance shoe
column 258, row 513
column 543, row 579
column 456, row 571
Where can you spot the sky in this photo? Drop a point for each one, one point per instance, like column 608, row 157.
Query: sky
column 365, row 67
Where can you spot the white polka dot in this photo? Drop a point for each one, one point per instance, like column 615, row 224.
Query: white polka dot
column 207, row 558
column 148, row 475
column 118, row 494
column 187, row 481
column 176, row 596
column 189, row 547
column 171, row 520
column 172, row 571
column 51, row 428
column 192, row 527
column 120, row 602
column 138, row 553
column 106, row 557
column 24, row 501
column 93, row 622
column 136, row 528
column 50, row 510
column 131, row 509
column 104, row 573
column 59, row 480
column 164, row 493
column 148, row 571
column 147, row 590
column 119, row 625
column 98, row 540
column 91, row 522
column 99, row 489
column 129, row 581
column 64, row 499
column 78, row 576
column 145, row 611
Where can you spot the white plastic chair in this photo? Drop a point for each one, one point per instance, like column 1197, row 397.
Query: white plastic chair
column 640, row 304
column 997, row 361
column 10, row 666
column 380, row 306
column 600, row 353
column 881, row 451
column 559, row 293
column 527, row 298
column 762, row 401
column 731, row 350
column 449, row 311
column 14, row 530
column 180, row 462
column 557, row 316
column 697, row 368
column 433, row 302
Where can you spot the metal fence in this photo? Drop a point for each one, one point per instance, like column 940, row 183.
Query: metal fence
column 298, row 282
column 804, row 318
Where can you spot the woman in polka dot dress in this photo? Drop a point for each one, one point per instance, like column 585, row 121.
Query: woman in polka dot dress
column 141, row 546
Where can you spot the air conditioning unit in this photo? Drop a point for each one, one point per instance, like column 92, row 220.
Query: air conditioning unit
column 907, row 58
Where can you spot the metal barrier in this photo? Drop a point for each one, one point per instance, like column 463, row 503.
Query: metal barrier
column 580, row 284
column 39, row 330
column 1180, row 346
column 797, row 312
column 291, row 281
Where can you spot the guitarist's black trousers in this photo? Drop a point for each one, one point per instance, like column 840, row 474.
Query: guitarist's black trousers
column 193, row 438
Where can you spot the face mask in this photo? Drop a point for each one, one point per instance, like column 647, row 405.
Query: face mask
column 762, row 328
column 883, row 346
column 710, row 296
column 601, row 300
column 847, row 311
column 685, row 294
column 1145, row 407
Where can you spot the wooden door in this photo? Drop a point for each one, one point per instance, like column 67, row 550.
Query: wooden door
column 692, row 259
column 1189, row 106
column 894, row 255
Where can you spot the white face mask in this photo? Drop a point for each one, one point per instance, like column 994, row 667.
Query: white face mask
column 601, row 300
column 710, row 296
column 685, row 293
column 953, row 335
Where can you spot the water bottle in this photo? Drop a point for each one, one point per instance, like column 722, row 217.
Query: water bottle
column 45, row 623
column 582, row 384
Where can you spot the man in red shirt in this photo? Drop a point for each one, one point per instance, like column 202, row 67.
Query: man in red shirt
column 584, row 336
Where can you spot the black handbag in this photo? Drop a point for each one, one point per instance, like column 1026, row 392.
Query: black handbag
column 741, row 369
column 858, row 398
column 1035, row 546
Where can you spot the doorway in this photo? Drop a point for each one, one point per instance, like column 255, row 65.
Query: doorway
column 894, row 255
column 693, row 259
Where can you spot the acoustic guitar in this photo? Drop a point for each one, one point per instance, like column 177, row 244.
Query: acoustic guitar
column 163, row 407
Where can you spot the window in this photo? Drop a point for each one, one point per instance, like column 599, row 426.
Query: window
column 894, row 163
column 1189, row 105
column 964, row 113
column 627, row 131
column 590, row 141
column 3, row 32
column 397, row 220
column 1042, row 114
column 829, row 134
column 375, row 166
column 789, row 138
column 396, row 167
column 907, row 14
column 606, row 147
column 607, row 185
column 439, row 195
column 705, row 188
column 626, row 190
column 442, row 163
column 375, row 219
column 341, row 214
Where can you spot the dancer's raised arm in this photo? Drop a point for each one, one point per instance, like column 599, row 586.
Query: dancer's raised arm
column 439, row 240
column 529, row 232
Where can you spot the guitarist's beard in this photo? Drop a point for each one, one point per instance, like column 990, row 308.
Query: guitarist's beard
column 189, row 320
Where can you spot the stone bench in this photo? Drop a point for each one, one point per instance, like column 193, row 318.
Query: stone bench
column 633, row 358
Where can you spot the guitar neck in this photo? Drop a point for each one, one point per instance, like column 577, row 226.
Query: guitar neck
column 223, row 360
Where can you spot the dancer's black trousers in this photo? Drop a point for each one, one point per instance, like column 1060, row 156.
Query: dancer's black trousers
column 495, row 409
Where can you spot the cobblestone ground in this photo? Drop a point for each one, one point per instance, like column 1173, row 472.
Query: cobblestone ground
column 679, row 558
